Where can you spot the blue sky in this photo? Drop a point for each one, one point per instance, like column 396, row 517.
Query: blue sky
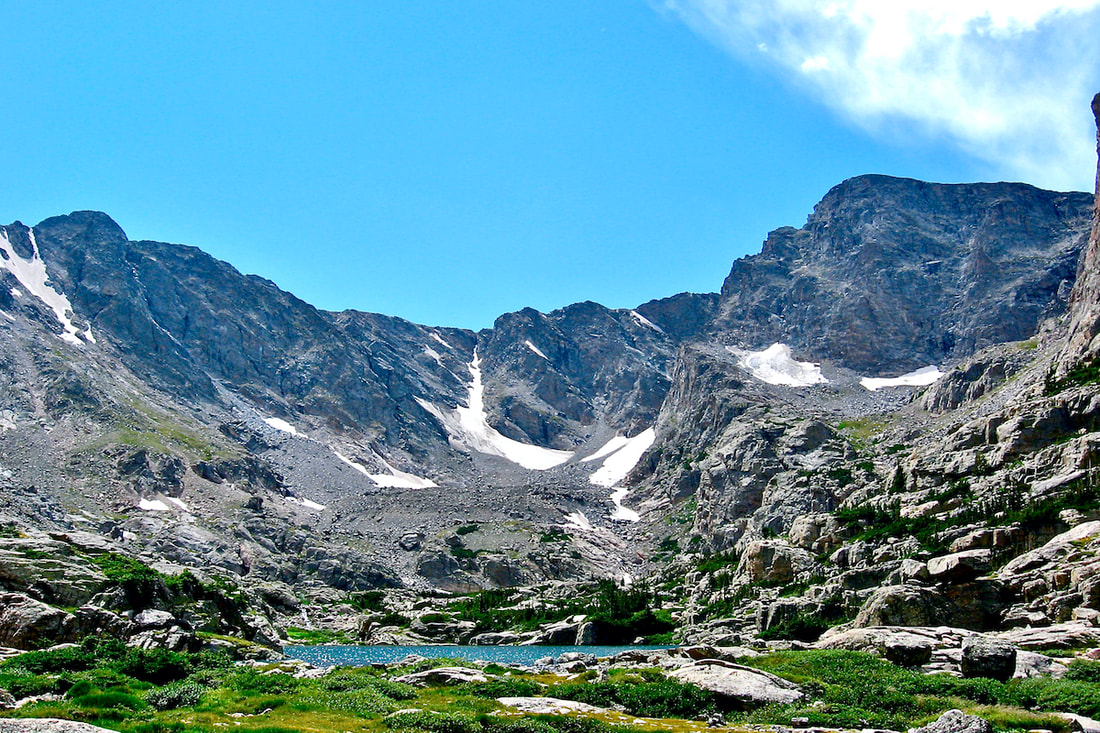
column 448, row 162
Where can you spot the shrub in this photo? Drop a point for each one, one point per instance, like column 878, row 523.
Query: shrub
column 433, row 722
column 109, row 700
column 664, row 699
column 178, row 695
column 250, row 681
column 1084, row 670
column 157, row 666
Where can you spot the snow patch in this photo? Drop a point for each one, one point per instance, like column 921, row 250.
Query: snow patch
column 357, row 466
column 619, row 463
column 535, row 349
column 16, row 293
column 279, row 424
column 646, row 322
column 439, row 338
column 608, row 448
column 179, row 503
column 393, row 480
column 578, row 520
column 774, row 365
column 434, row 355
column 920, row 378
column 468, row 429
column 153, row 505
column 306, row 503
column 33, row 276
column 621, row 513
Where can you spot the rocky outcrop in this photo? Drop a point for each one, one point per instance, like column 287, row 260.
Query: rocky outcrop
column 891, row 278
column 738, row 685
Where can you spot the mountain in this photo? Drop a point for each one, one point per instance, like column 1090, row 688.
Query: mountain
column 160, row 405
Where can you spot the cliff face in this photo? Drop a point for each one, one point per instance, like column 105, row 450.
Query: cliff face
column 891, row 274
column 1085, row 301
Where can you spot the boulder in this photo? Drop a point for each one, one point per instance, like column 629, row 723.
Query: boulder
column 25, row 623
column 774, row 561
column 902, row 605
column 742, row 686
column 588, row 634
column 956, row 721
column 547, row 706
column 959, row 566
column 47, row 725
column 443, row 676
column 986, row 657
column 908, row 651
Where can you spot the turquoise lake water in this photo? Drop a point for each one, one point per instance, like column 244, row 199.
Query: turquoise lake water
column 358, row 656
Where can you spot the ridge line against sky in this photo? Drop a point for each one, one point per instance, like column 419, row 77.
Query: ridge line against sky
column 447, row 163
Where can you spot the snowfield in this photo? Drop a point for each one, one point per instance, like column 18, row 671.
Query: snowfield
column 468, row 429
column 775, row 365
column 920, row 378
column 622, row 455
column 622, row 460
column 282, row 425
column 33, row 276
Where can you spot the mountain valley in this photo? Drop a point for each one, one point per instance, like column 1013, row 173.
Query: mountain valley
column 889, row 417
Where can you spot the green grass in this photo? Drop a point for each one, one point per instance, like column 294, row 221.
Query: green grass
column 139, row 691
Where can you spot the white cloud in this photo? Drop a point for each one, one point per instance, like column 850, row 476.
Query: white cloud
column 1008, row 82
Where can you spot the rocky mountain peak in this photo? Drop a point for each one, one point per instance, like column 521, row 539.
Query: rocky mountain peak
column 891, row 274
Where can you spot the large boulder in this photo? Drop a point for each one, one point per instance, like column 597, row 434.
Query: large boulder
column 47, row 725
column 774, row 561
column 959, row 566
column 986, row 657
column 956, row 721
column 26, row 623
column 741, row 686
column 443, row 676
column 902, row 605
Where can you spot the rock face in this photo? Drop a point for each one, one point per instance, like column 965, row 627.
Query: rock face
column 889, row 283
column 983, row 657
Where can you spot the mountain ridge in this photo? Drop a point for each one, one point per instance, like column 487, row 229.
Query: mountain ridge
column 220, row 423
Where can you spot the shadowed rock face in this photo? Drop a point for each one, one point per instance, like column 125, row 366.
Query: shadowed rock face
column 890, row 274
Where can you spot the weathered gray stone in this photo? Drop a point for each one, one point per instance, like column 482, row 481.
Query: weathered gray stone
column 738, row 684
column 959, row 566
column 956, row 721
column 26, row 623
column 902, row 605
column 986, row 657
column 443, row 676
column 47, row 725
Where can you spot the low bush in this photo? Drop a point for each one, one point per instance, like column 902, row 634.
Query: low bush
column 433, row 722
column 664, row 699
column 178, row 695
